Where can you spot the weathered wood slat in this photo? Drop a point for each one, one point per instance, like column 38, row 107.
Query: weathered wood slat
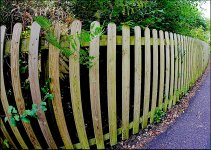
column 125, row 81
column 4, row 99
column 111, row 83
column 182, row 64
column 147, row 77
column 95, row 89
column 155, row 74
column 162, row 58
column 176, row 59
column 74, row 74
column 6, row 134
column 172, row 60
column 185, row 63
column 34, row 84
column 16, row 83
column 137, row 80
column 167, row 57
column 179, row 65
column 55, row 90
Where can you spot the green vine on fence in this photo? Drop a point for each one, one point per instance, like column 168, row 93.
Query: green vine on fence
column 83, row 37
column 14, row 116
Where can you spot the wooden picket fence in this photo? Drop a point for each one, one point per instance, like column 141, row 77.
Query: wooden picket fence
column 177, row 62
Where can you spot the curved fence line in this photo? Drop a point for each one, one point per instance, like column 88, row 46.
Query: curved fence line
column 159, row 68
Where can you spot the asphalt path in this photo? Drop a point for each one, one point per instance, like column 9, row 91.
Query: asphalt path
column 192, row 129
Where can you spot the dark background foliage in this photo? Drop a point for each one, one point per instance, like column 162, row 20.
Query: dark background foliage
column 178, row 16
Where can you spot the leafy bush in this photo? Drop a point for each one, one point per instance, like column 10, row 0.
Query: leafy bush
column 159, row 115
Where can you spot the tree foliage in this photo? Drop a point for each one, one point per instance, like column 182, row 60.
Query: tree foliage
column 178, row 16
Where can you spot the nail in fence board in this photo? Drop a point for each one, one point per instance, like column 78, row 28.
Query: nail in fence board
column 4, row 99
column 16, row 83
column 94, row 84
column 111, row 82
column 34, row 83
column 55, row 90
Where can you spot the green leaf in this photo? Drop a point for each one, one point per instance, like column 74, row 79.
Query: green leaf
column 14, row 110
column 17, row 117
column 26, row 120
column 5, row 119
column 44, row 90
column 10, row 109
column 12, row 121
column 5, row 142
column 43, row 22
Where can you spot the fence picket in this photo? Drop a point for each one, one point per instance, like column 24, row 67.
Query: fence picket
column 16, row 83
column 111, row 82
column 137, row 80
column 172, row 71
column 176, row 58
column 155, row 74
column 162, row 66
column 74, row 74
column 179, row 66
column 34, row 83
column 181, row 61
column 167, row 57
column 147, row 78
column 4, row 99
column 95, row 89
column 55, row 90
column 125, row 81
column 6, row 134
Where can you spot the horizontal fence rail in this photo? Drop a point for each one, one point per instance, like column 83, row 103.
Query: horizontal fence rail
column 132, row 76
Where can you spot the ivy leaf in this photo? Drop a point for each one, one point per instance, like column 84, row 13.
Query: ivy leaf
column 5, row 142
column 12, row 121
column 26, row 120
column 17, row 117
column 5, row 119
column 43, row 106
column 43, row 90
column 14, row 110
column 10, row 109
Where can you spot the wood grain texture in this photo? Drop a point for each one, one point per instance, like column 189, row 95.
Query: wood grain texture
column 176, row 59
column 6, row 134
column 125, row 81
column 111, row 83
column 182, row 62
column 167, row 76
column 16, row 83
column 137, row 79
column 34, row 84
column 147, row 78
column 155, row 74
column 172, row 60
column 94, row 84
column 179, row 65
column 55, row 90
column 74, row 75
column 162, row 66
column 4, row 99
